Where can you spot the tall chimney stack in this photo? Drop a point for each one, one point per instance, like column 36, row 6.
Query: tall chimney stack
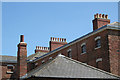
column 22, row 58
column 100, row 20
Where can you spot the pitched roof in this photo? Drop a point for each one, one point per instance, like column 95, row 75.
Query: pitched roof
column 114, row 24
column 13, row 59
column 66, row 67
column 4, row 58
column 36, row 55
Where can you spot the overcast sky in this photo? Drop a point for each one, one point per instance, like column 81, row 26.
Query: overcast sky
column 38, row 21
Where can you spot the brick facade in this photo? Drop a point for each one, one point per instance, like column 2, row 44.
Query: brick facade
column 9, row 72
column 56, row 42
column 114, row 50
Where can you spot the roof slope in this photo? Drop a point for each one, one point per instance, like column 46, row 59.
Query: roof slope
column 36, row 55
column 13, row 59
column 63, row 66
column 4, row 58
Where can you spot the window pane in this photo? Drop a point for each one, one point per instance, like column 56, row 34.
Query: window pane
column 69, row 54
column 83, row 48
column 98, row 43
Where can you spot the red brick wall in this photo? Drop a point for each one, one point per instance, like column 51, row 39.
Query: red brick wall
column 91, row 53
column 6, row 75
column 54, row 45
column 114, row 53
column 97, row 23
column 109, row 60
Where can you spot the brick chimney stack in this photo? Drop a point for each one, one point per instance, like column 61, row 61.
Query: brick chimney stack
column 57, row 42
column 100, row 20
column 42, row 49
column 22, row 58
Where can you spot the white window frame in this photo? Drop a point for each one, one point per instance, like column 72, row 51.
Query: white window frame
column 83, row 44
column 97, row 38
column 36, row 64
column 43, row 61
column 50, row 58
column 69, row 50
column 99, row 59
column 9, row 72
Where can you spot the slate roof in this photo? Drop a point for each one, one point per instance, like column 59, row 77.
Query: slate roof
column 36, row 55
column 114, row 24
column 65, row 67
column 13, row 59
column 4, row 58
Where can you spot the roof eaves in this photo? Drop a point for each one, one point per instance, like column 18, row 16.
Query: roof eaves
column 66, row 45
column 81, row 38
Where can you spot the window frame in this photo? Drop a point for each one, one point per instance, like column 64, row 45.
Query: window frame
column 83, row 48
column 69, row 53
column 97, row 61
column 97, row 42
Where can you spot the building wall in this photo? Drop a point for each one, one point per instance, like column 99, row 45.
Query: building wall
column 91, row 54
column 114, row 51
column 7, row 69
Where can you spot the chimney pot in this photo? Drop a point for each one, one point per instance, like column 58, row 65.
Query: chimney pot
column 38, row 47
column 103, row 16
column 51, row 38
column 22, row 38
column 100, row 15
column 54, row 39
column 58, row 39
column 65, row 40
column 106, row 16
column 97, row 15
column 62, row 39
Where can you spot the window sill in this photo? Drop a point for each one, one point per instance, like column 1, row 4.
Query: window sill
column 97, row 47
column 83, row 53
column 9, row 72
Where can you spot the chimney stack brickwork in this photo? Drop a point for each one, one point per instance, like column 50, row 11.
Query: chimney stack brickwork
column 41, row 49
column 100, row 20
column 56, row 42
column 22, row 58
